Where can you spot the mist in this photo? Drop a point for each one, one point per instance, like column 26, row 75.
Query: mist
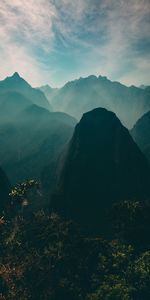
column 81, row 95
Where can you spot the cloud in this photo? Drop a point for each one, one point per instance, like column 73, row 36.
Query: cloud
column 47, row 39
column 128, row 29
column 25, row 26
column 28, row 21
column 111, row 33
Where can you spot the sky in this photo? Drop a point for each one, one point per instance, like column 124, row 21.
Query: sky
column 55, row 41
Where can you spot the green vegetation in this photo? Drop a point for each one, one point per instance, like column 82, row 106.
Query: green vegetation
column 47, row 257
column 20, row 191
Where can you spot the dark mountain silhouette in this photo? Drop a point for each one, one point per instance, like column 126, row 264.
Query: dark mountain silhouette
column 141, row 134
column 102, row 165
column 84, row 94
column 33, row 140
column 17, row 84
column 4, row 190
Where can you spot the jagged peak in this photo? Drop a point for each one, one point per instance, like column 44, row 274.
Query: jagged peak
column 16, row 74
column 15, row 78
column 46, row 86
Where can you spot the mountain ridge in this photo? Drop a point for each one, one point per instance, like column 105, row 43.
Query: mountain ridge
column 32, row 140
column 15, row 83
column 84, row 94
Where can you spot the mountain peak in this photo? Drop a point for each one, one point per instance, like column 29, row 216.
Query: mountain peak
column 14, row 77
column 99, row 117
column 16, row 74
column 16, row 83
column 99, row 112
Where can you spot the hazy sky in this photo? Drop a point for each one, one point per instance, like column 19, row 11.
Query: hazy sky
column 54, row 41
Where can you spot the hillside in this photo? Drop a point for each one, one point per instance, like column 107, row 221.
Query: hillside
column 101, row 166
column 141, row 134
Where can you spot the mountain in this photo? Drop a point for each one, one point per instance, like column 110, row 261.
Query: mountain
column 101, row 166
column 142, row 86
column 4, row 190
column 11, row 104
column 48, row 91
column 17, row 84
column 84, row 94
column 33, row 140
column 141, row 134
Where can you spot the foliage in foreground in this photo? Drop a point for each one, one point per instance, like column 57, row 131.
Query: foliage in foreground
column 44, row 257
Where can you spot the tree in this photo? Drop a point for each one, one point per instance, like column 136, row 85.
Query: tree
column 21, row 194
column 131, row 222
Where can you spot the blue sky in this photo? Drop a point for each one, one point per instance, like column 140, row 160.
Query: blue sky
column 55, row 41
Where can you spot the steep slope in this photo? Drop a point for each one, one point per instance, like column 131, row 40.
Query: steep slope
column 33, row 140
column 82, row 95
column 141, row 134
column 102, row 165
column 17, row 84
column 4, row 190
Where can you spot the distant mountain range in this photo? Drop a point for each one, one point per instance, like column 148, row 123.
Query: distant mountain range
column 102, row 162
column 83, row 230
column 102, row 165
column 79, row 96
column 31, row 136
column 142, row 86
column 32, row 141
column 16, row 84
column 48, row 91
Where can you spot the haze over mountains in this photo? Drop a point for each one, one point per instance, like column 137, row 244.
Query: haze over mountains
column 18, row 85
column 75, row 150
column 102, row 162
column 48, row 91
column 32, row 135
column 84, row 94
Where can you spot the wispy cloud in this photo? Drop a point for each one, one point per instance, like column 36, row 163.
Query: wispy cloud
column 56, row 40
column 28, row 21
column 24, row 27
column 111, row 33
column 127, row 28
